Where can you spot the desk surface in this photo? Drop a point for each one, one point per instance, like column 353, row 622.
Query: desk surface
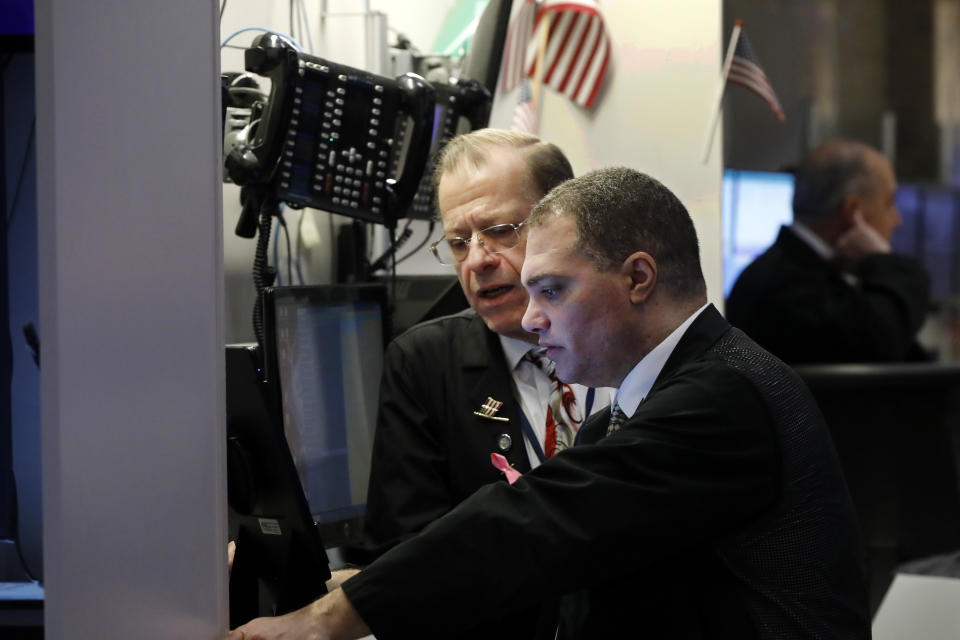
column 25, row 592
column 21, row 604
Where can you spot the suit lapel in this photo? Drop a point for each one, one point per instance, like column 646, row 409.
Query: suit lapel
column 486, row 375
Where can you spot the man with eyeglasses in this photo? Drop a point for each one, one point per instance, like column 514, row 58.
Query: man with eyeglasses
column 457, row 389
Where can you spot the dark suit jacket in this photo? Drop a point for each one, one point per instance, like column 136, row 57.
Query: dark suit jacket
column 798, row 306
column 718, row 510
column 430, row 450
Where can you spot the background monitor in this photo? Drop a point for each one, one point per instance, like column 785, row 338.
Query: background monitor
column 324, row 354
column 755, row 204
column 930, row 232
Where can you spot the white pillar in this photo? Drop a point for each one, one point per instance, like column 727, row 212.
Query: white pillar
column 131, row 315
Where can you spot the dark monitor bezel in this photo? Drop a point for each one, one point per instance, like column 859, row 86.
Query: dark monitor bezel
column 347, row 531
column 281, row 562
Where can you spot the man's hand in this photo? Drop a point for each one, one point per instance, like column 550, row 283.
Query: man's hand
column 298, row 625
column 340, row 576
column 858, row 242
column 332, row 617
column 231, row 552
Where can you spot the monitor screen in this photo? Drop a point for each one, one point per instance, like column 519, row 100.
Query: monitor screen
column 929, row 231
column 482, row 61
column 908, row 237
column 324, row 352
column 940, row 235
column 755, row 205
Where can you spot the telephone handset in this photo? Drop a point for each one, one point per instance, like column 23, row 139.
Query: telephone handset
column 327, row 135
column 462, row 105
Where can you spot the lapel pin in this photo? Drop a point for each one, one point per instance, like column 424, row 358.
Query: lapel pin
column 489, row 410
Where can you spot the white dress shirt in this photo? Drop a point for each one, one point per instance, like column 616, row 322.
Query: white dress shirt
column 533, row 389
column 635, row 387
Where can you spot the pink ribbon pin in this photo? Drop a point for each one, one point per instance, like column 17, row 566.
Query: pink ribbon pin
column 501, row 463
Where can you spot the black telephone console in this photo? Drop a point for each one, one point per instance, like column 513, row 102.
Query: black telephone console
column 333, row 137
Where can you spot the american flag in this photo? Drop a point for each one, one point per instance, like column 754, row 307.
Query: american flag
column 577, row 53
column 745, row 71
column 519, row 30
column 525, row 118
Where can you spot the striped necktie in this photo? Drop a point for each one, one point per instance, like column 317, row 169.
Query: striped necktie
column 617, row 418
column 563, row 417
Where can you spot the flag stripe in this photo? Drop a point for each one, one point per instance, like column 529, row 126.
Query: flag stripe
column 763, row 93
column 751, row 82
column 754, row 86
column 518, row 35
column 576, row 53
column 557, row 27
column 598, row 69
column 745, row 71
column 575, row 81
column 571, row 51
column 533, row 49
column 583, row 86
column 756, row 83
column 559, row 49
column 584, row 7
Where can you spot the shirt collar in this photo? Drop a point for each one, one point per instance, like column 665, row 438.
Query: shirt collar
column 638, row 382
column 514, row 349
column 812, row 240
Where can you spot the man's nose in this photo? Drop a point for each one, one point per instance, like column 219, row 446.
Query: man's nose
column 533, row 319
column 478, row 258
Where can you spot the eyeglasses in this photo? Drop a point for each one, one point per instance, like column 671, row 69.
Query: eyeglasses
column 495, row 239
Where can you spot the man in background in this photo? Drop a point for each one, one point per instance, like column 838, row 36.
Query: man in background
column 708, row 503
column 830, row 289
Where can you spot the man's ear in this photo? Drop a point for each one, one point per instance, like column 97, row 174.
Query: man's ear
column 641, row 269
column 849, row 207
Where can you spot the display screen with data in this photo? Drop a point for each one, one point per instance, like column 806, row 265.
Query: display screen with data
column 328, row 356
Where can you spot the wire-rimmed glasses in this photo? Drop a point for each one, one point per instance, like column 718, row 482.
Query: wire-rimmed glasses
column 495, row 239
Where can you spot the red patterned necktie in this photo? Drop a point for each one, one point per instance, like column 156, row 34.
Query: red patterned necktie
column 563, row 416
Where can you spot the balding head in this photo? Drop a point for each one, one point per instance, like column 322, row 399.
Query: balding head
column 832, row 171
column 466, row 153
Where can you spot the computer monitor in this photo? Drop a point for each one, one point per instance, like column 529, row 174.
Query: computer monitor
column 323, row 353
column 482, row 62
column 280, row 563
column 930, row 232
column 755, row 204
column 418, row 298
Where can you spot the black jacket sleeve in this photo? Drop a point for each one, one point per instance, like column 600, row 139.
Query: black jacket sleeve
column 695, row 461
